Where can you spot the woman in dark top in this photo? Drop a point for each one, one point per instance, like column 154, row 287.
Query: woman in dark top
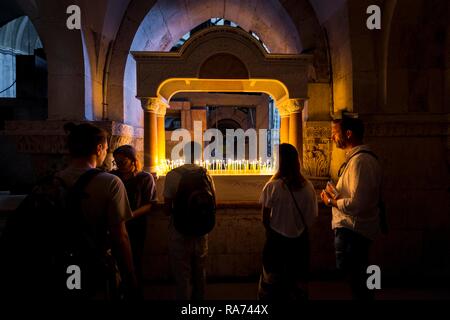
column 141, row 192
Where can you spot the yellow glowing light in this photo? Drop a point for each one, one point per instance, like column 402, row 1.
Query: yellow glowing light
column 169, row 87
column 222, row 167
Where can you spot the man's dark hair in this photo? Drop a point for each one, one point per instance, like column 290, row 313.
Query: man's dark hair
column 355, row 125
column 83, row 139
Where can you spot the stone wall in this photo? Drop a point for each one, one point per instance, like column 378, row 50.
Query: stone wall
column 33, row 149
column 413, row 152
column 235, row 244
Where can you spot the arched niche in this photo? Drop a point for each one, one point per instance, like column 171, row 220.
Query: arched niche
column 160, row 75
column 158, row 25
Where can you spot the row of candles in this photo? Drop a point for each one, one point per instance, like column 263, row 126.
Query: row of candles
column 224, row 167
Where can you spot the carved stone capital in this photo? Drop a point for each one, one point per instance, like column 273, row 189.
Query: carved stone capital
column 291, row 106
column 154, row 105
column 161, row 112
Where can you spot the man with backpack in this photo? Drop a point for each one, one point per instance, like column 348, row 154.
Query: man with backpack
column 356, row 204
column 68, row 238
column 189, row 199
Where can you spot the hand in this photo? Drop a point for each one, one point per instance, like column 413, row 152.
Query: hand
column 324, row 195
column 330, row 192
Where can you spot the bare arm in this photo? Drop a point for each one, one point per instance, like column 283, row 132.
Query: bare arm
column 145, row 209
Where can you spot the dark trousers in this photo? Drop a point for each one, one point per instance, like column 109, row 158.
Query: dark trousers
column 285, row 265
column 352, row 260
column 137, row 231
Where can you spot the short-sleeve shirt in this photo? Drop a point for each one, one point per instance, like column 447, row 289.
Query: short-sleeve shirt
column 284, row 216
column 107, row 203
column 141, row 189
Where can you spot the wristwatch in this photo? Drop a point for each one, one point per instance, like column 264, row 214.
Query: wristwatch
column 329, row 202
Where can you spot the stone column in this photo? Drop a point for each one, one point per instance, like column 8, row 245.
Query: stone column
column 151, row 107
column 284, row 128
column 161, row 134
column 294, row 108
column 295, row 130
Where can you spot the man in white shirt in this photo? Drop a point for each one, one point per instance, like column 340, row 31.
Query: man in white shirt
column 355, row 208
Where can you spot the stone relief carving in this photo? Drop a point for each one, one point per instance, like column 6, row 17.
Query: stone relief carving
column 317, row 148
column 317, row 139
column 48, row 137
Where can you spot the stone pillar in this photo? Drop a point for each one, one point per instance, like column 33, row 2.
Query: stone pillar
column 151, row 108
column 294, row 108
column 161, row 134
column 284, row 128
column 295, row 130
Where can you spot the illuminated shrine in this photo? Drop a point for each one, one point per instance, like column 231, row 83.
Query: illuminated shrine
column 154, row 74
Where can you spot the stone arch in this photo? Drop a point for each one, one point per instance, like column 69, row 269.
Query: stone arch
column 65, row 56
column 100, row 23
column 262, row 17
column 180, row 70
column 20, row 37
column 161, row 75
column 76, row 58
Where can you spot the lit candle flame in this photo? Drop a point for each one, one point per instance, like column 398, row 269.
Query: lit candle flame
column 224, row 167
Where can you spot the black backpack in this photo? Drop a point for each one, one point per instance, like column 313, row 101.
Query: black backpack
column 45, row 235
column 194, row 208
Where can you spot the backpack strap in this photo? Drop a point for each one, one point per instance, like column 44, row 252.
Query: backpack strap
column 344, row 165
column 76, row 194
column 84, row 180
column 296, row 206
